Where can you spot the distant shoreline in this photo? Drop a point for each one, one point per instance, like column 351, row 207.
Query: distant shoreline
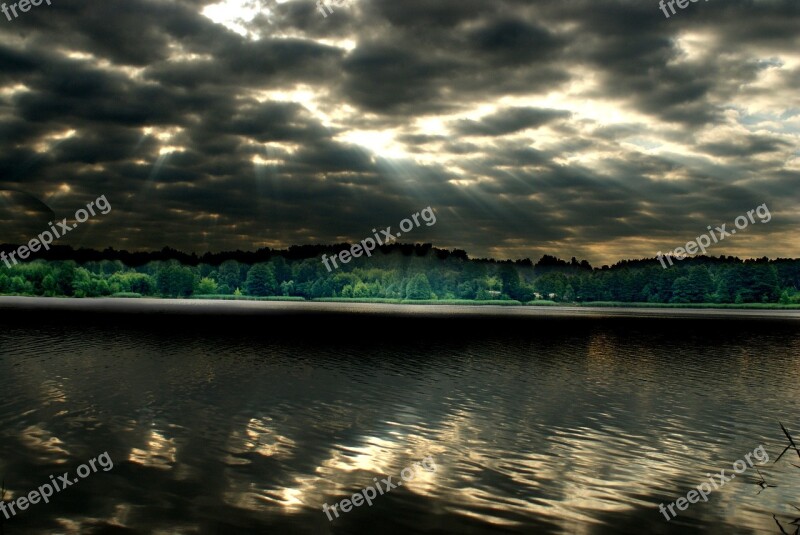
column 203, row 307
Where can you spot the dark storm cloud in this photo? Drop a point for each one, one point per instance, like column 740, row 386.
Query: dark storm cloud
column 588, row 128
column 513, row 41
column 273, row 121
column 442, row 15
column 746, row 147
column 381, row 77
column 508, row 121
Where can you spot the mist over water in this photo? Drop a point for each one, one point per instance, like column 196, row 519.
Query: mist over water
column 546, row 426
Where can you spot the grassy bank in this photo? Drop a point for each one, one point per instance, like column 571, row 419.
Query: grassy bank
column 454, row 302
column 462, row 302
column 618, row 304
column 246, row 298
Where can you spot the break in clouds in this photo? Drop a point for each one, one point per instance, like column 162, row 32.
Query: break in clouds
column 588, row 128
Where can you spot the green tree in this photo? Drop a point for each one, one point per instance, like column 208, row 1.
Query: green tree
column 588, row 288
column 65, row 272
column 361, row 290
column 321, row 288
column 287, row 288
column 206, row 286
column 174, row 280
column 694, row 287
column 281, row 269
column 261, row 281
column 20, row 286
column 569, row 294
column 551, row 283
column 758, row 283
column 49, row 285
column 347, row 291
column 728, row 282
column 509, row 277
column 230, row 274
column 419, row 287
column 100, row 287
column 467, row 290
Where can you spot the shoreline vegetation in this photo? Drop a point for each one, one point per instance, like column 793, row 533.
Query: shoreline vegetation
column 406, row 274
column 444, row 303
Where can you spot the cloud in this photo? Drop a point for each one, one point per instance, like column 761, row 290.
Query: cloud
column 595, row 129
column 508, row 121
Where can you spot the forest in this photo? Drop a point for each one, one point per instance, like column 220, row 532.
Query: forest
column 400, row 272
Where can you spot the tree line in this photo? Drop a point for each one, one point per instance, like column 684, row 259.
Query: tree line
column 412, row 272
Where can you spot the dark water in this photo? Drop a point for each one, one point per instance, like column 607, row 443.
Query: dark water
column 535, row 426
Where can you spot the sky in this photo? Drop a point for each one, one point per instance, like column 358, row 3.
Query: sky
column 599, row 129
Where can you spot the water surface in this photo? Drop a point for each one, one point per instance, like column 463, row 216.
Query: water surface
column 537, row 425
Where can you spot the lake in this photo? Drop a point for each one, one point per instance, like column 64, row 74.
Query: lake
column 234, row 420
